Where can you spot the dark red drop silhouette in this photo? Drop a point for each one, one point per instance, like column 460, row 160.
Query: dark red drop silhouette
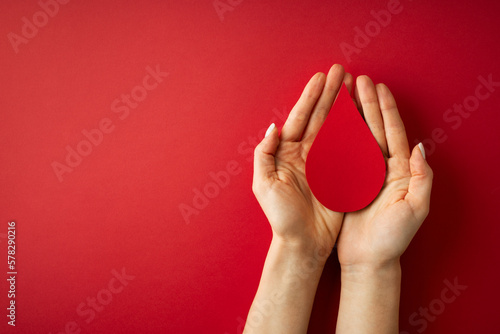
column 345, row 167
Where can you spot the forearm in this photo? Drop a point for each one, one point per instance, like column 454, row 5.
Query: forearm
column 369, row 299
column 285, row 296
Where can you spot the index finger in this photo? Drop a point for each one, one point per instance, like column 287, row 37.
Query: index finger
column 333, row 83
column 299, row 115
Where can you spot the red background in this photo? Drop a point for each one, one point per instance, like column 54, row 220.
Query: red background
column 120, row 207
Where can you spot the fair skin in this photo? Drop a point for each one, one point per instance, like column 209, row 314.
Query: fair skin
column 370, row 241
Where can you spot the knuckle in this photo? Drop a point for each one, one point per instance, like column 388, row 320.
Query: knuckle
column 257, row 150
column 430, row 173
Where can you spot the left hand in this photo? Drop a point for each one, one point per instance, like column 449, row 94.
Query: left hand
column 279, row 182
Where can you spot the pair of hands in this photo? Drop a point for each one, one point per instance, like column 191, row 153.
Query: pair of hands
column 374, row 236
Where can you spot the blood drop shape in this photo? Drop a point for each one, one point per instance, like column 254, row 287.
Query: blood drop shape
column 345, row 167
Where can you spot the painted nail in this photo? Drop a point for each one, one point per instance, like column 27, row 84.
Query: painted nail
column 270, row 129
column 422, row 149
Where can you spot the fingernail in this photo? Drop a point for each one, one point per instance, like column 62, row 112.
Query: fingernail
column 422, row 149
column 271, row 128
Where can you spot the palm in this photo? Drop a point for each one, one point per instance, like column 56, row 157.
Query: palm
column 305, row 215
column 377, row 229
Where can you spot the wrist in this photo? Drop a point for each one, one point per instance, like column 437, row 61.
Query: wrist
column 301, row 251
column 302, row 260
column 364, row 272
column 369, row 297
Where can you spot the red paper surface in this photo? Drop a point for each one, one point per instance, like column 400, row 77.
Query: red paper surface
column 345, row 166
column 119, row 208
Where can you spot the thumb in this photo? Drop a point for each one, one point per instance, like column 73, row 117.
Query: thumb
column 419, row 189
column 264, row 161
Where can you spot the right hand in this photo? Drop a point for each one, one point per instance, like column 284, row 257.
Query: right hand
column 379, row 234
